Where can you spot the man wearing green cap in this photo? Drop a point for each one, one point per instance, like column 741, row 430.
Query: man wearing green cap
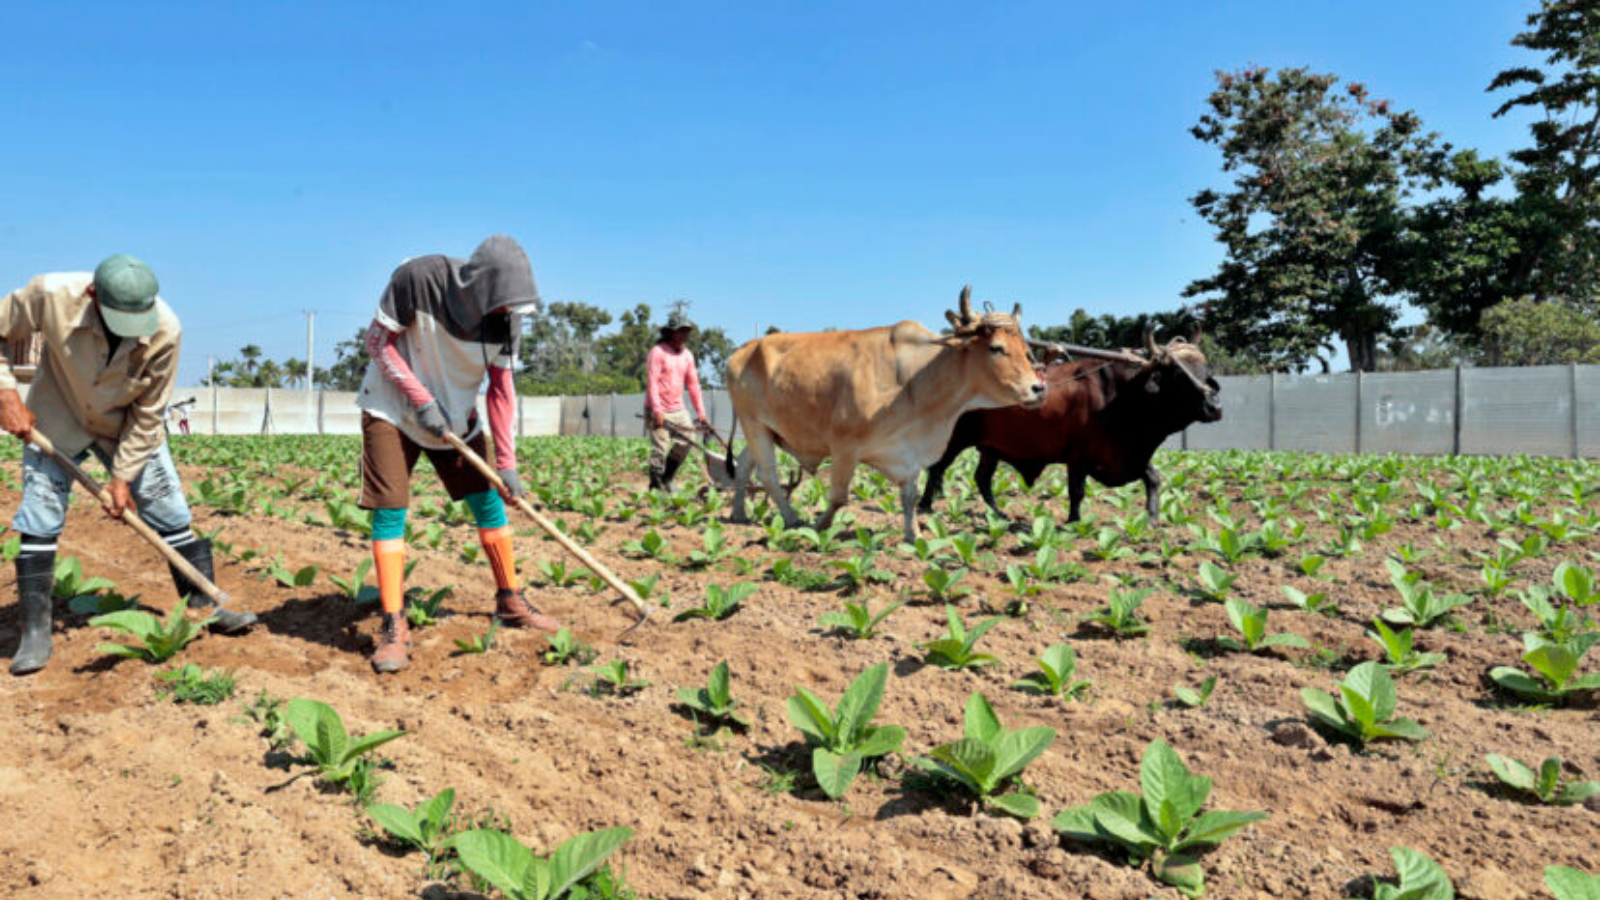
column 105, row 375
column 668, row 370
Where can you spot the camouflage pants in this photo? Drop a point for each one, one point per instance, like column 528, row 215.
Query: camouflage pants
column 664, row 445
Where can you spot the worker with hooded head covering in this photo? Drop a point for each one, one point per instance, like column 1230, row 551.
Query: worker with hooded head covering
column 442, row 327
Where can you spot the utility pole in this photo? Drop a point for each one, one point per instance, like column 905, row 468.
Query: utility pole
column 311, row 364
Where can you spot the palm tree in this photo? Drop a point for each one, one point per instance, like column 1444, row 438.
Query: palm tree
column 294, row 372
column 250, row 352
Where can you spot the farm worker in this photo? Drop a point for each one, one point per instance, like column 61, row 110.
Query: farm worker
column 443, row 325
column 669, row 368
column 110, row 358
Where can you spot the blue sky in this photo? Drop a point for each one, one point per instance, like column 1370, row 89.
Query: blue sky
column 805, row 165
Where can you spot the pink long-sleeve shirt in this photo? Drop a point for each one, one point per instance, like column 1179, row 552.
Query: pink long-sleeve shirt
column 666, row 373
column 500, row 399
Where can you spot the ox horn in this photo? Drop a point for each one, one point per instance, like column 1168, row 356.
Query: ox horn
column 1150, row 341
column 966, row 303
column 1016, row 312
column 1194, row 338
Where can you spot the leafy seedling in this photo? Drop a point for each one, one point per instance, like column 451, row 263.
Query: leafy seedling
column 844, row 739
column 559, row 574
column 292, row 578
column 1556, row 664
column 858, row 620
column 355, row 588
column 1252, row 626
column 1558, row 621
column 334, row 752
column 944, row 584
column 721, row 602
column 1192, row 698
column 1215, row 582
column 566, row 649
column 1576, row 584
column 69, row 582
column 1365, row 709
column 858, row 571
column 1399, row 656
column 956, row 650
column 514, row 870
column 1315, row 602
column 714, row 700
column 1162, row 825
column 425, row 829
column 189, row 684
column 102, row 604
column 267, row 712
column 1057, row 665
column 479, row 643
column 421, row 611
column 989, row 757
column 612, row 678
column 1419, row 878
column 158, row 641
column 1420, row 605
column 1121, row 612
column 1544, row 784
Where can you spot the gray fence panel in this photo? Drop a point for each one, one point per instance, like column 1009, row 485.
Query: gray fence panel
column 1174, row 441
column 1246, row 420
column 573, row 417
column 1506, row 411
column 1408, row 412
column 540, row 415
column 719, row 406
column 626, row 410
column 599, row 414
column 1588, row 389
column 1316, row 413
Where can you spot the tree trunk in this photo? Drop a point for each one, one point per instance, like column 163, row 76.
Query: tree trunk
column 1363, row 349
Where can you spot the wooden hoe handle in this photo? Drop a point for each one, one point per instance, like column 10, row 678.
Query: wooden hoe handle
column 560, row 537
column 132, row 520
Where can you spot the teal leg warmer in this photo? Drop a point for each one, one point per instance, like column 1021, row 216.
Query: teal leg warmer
column 487, row 508
column 389, row 524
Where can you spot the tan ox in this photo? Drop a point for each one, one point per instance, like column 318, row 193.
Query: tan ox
column 888, row 397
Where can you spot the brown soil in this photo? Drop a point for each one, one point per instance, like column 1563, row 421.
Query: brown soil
column 110, row 791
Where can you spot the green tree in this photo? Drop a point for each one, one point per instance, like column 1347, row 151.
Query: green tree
column 1312, row 220
column 1557, row 181
column 349, row 365
column 1528, row 332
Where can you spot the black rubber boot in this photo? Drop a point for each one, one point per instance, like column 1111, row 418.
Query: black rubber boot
column 198, row 553
column 673, row 464
column 36, row 575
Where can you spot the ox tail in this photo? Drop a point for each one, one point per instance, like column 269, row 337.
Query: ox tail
column 729, row 463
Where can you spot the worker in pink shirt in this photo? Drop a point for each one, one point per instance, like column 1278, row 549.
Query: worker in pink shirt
column 668, row 370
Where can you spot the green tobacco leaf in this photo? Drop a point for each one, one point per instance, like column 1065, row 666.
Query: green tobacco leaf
column 834, row 772
column 972, row 758
column 1182, row 872
column 364, row 745
column 879, row 740
column 1511, row 771
column 982, row 723
column 717, row 688
column 1211, row 828
column 397, row 821
column 1077, row 823
column 138, row 623
column 1120, row 816
column 581, row 854
column 1420, row 874
column 497, row 858
column 121, row 650
column 1325, row 709
column 1571, row 884
column 432, row 814
column 809, row 714
column 1554, row 661
column 1016, row 750
column 860, row 702
column 1519, row 682
column 1022, row 806
column 1164, row 779
column 1376, row 686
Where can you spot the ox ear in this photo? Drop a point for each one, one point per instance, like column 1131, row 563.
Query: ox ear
column 1194, row 338
column 1153, row 383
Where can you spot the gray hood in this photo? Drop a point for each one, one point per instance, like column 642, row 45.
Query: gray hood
column 498, row 278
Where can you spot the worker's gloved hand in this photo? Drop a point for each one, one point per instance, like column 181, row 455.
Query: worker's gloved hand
column 433, row 419
column 514, row 488
column 15, row 416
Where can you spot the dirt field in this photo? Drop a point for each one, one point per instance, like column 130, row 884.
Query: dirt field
column 111, row 791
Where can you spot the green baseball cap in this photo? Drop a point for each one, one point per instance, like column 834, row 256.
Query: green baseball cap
column 126, row 289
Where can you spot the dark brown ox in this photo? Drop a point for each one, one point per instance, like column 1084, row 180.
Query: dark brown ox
column 1100, row 418
column 887, row 397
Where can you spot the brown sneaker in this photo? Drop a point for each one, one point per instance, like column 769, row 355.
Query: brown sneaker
column 393, row 645
column 514, row 611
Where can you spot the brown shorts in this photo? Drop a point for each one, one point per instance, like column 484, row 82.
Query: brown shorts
column 388, row 456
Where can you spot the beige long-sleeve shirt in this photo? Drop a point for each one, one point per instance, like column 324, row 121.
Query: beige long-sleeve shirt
column 78, row 395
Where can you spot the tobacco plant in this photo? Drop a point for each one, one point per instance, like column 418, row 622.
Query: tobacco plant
column 1545, row 784
column 721, row 602
column 426, row 829
column 338, row 756
column 1252, row 626
column 1399, row 656
column 1364, row 711
column 843, row 739
column 613, row 678
column 158, row 641
column 514, row 870
column 956, row 650
column 1121, row 612
column 1192, row 698
column 1057, row 665
column 1214, row 581
column 1567, row 883
column 1315, row 602
column 944, row 584
column 1556, row 663
column 355, row 588
column 714, row 700
column 1576, row 583
column 1419, row 878
column 565, row 649
column 1420, row 605
column 557, row 573
column 479, row 643
column 69, row 582
column 989, row 758
column 422, row 611
column 1163, row 824
column 858, row 621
